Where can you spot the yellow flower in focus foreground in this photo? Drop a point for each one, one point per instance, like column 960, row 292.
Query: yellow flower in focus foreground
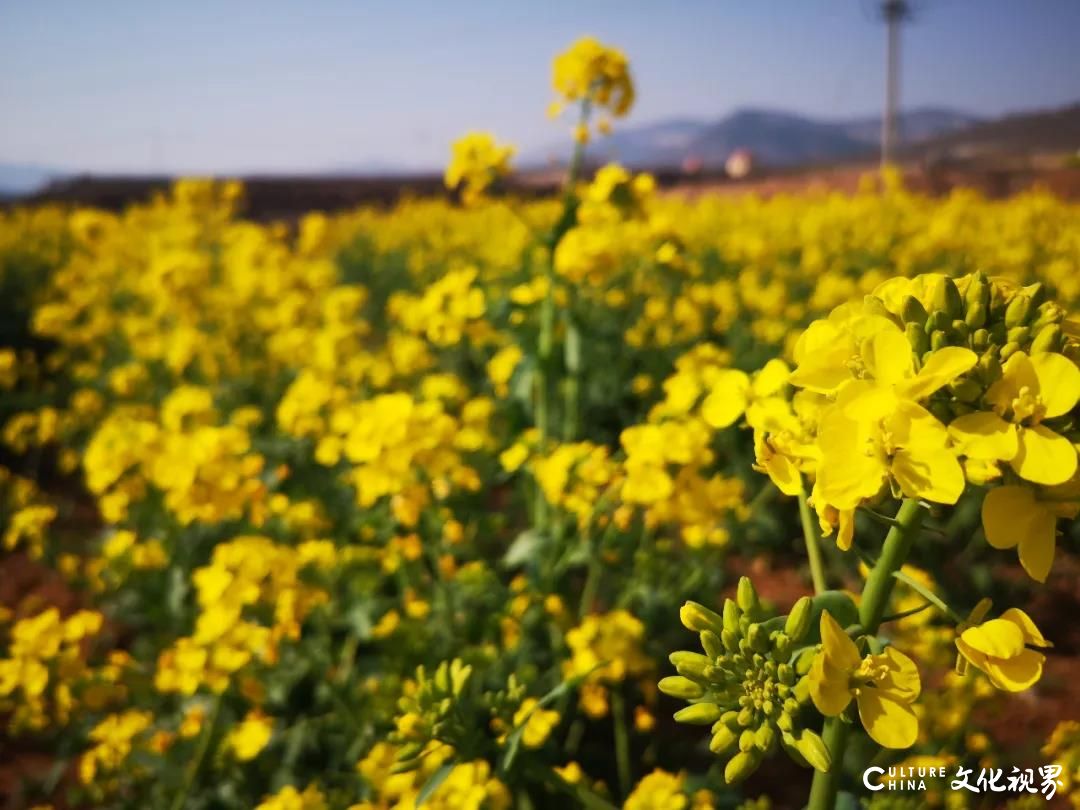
column 883, row 686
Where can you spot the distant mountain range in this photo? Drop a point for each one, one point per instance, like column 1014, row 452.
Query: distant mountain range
column 776, row 138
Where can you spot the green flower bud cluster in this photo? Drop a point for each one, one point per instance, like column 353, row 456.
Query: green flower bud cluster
column 993, row 319
column 436, row 710
column 748, row 685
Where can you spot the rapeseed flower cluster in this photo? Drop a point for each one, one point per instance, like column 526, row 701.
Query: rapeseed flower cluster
column 403, row 506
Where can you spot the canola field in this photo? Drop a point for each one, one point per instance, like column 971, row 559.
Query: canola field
column 609, row 500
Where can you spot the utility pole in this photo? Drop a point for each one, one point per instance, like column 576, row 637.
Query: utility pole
column 894, row 12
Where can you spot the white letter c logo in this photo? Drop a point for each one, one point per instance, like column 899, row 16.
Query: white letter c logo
column 866, row 779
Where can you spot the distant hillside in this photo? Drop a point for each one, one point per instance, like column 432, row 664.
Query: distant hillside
column 17, row 179
column 777, row 138
column 1018, row 134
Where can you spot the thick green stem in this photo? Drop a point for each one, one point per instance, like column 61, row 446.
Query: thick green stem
column 813, row 545
column 875, row 600
column 622, row 741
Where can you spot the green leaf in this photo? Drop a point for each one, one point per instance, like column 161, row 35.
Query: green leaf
column 433, row 783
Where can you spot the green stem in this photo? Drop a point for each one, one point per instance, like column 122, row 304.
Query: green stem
column 813, row 545
column 622, row 741
column 200, row 754
column 825, row 786
column 572, row 390
column 875, row 599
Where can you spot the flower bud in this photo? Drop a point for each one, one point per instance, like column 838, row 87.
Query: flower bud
column 937, row 321
column 731, row 616
column 798, row 620
column 697, row 617
column 699, row 714
column 710, row 642
column 746, row 596
column 980, row 340
column 1019, row 334
column 1008, row 350
column 689, row 664
column 959, row 331
column 765, row 738
column 730, row 640
column 1050, row 338
column 912, row 311
column 966, row 390
column 722, row 741
column 975, row 316
column 917, row 338
column 978, row 291
column 746, row 740
column 938, row 340
column 741, row 766
column 813, row 749
column 680, row 687
column 1017, row 311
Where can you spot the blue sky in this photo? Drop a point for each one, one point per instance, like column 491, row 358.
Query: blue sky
column 235, row 86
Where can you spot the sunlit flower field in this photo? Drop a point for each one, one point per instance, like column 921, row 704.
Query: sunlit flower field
column 457, row 503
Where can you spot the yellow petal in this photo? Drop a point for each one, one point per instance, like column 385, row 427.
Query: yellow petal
column 772, row 377
column 1017, row 372
column 997, row 638
column 1032, row 634
column 861, row 400
column 1059, row 382
column 934, row 475
column 999, row 511
column 903, row 681
column 1037, row 544
column 1017, row 673
column 839, row 649
column 890, row 723
column 728, row 399
column 984, row 436
column 1044, row 456
column 828, row 687
column 943, row 367
column 887, row 355
column 784, row 474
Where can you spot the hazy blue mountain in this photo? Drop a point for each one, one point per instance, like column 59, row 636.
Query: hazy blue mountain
column 776, row 138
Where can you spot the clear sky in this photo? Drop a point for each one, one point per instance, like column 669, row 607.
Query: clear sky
column 238, row 85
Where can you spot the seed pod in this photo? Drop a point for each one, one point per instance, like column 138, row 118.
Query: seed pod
column 741, row 766
column 812, row 747
column 697, row 617
column 747, row 597
column 1049, row 339
column 722, row 740
column 698, row 714
column 1016, row 314
column 689, row 664
column 680, row 687
column 710, row 642
column 913, row 311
